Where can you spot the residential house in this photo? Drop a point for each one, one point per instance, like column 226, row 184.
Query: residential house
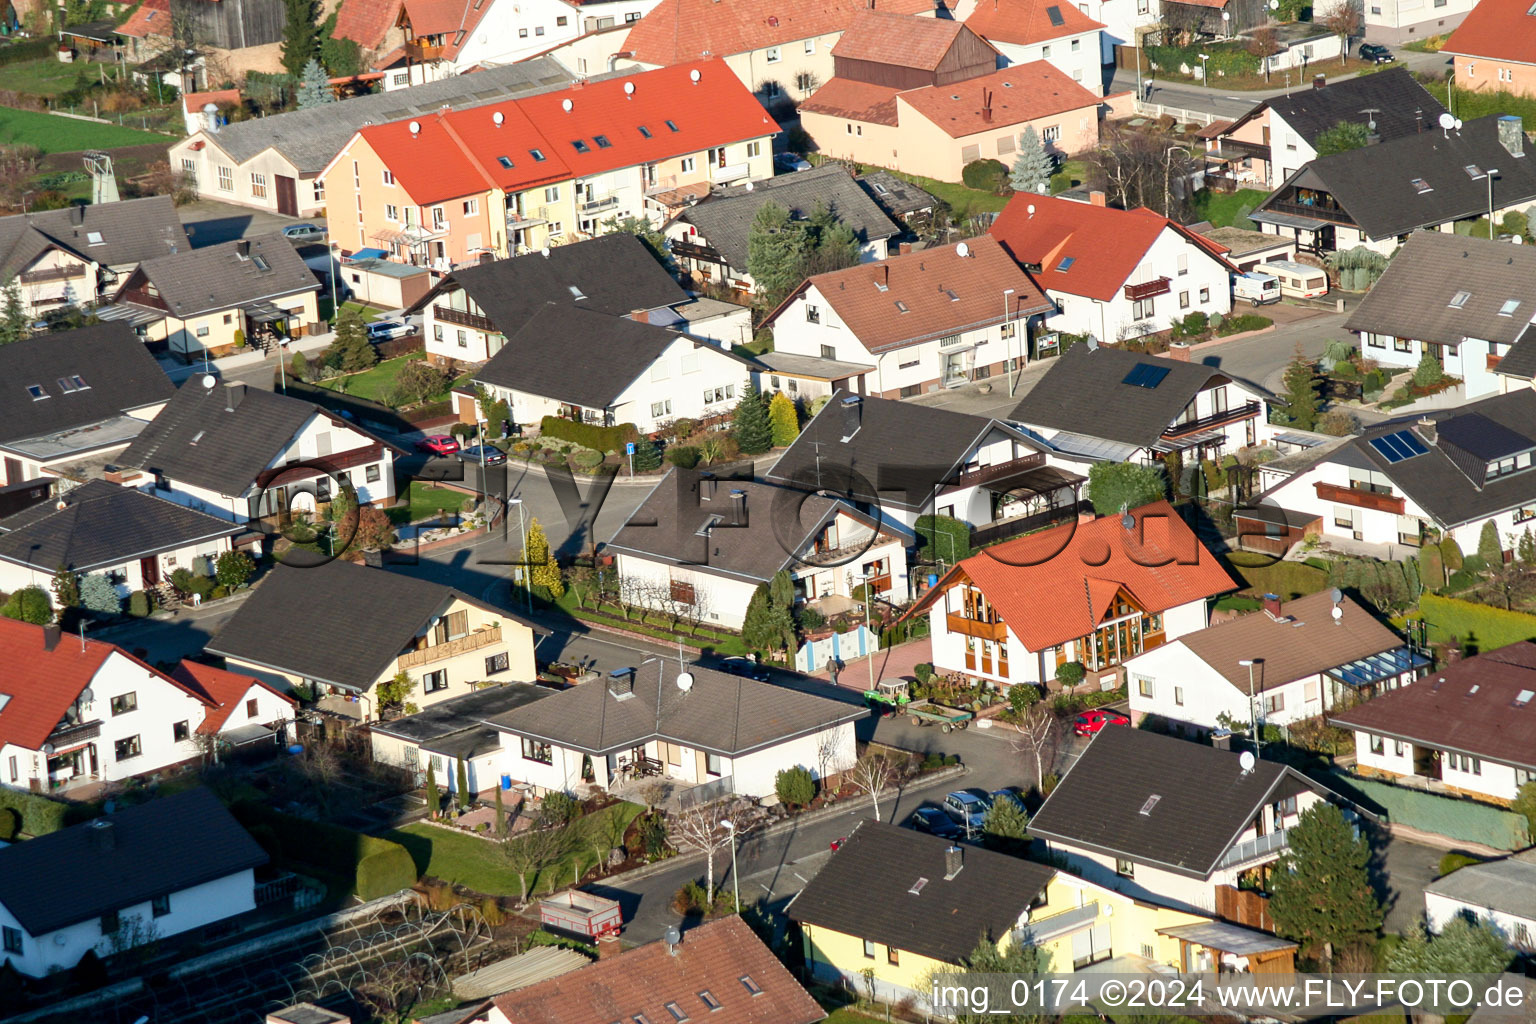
column 1492, row 51
column 1378, row 195
column 899, row 198
column 194, row 113
column 720, row 971
column 783, row 54
column 454, row 186
column 454, row 731
column 902, row 460
column 927, row 96
column 107, row 884
column 1147, row 407
column 446, row 642
column 130, row 536
column 1291, row 662
column 966, row 318
column 76, row 395
column 709, row 238
column 1171, row 822
column 1463, row 301
column 1113, row 274
column 1279, row 135
column 243, row 711
column 244, row 454
column 273, row 163
column 707, row 544
column 146, row 32
column 1499, row 893
column 76, row 711
column 1408, row 21
column 1048, row 30
column 1126, row 23
column 74, row 256
column 1465, row 730
column 469, row 313
column 211, row 301
column 901, row 907
column 695, row 726
column 1448, row 474
column 1096, row 592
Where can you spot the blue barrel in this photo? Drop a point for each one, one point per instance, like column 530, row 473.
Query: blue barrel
column 297, row 748
column 506, row 782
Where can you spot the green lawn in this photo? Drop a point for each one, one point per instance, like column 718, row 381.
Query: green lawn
column 66, row 135
column 963, row 200
column 43, row 77
column 375, row 383
column 1222, row 208
column 426, row 501
column 1072, row 174
column 479, row 863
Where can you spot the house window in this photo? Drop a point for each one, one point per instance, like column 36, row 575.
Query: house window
column 160, row 905
column 1045, row 53
column 389, row 176
column 662, row 408
column 250, row 708
column 1178, row 695
column 754, row 149
column 180, row 731
column 371, row 474
column 552, row 194
column 562, row 21
column 538, row 30
column 810, row 47
column 1144, row 686
column 15, row 775
column 1141, row 309
column 463, row 338
column 1205, row 295
column 773, row 55
column 439, row 218
column 713, row 765
column 1505, row 74
column 1125, row 868
column 127, row 749
column 892, row 956
column 471, row 207
column 813, row 314
column 1402, row 344
column 522, row 33
column 533, row 750
column 869, row 949
column 12, row 940
column 1077, row 44
column 1465, row 763
column 1274, row 703
column 1052, row 133
column 431, row 682
column 258, row 186
column 110, row 923
column 1344, row 516
column 202, row 332
column 226, row 179
column 970, row 154
column 1378, row 745
column 124, row 703
column 391, row 212
column 496, row 663
column 1183, row 300
column 688, row 165
column 1183, row 263
column 828, row 352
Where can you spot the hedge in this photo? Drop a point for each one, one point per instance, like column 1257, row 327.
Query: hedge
column 1288, row 579
column 40, row 815
column 375, row 867
column 589, row 435
column 1478, row 626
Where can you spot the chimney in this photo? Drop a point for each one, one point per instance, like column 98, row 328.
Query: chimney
column 210, row 118
column 234, row 394
column 243, row 248
column 738, row 508
column 1086, row 517
column 986, row 106
column 122, row 477
column 1178, row 351
column 1453, row 652
column 51, row 634
column 1272, row 606
column 608, row 946
column 853, row 413
column 101, row 836
column 621, row 682
column 707, row 483
column 1512, row 134
column 1097, row 198
column 954, row 860
column 1319, row 81
column 902, row 248
column 1427, row 430
column 1221, row 739
column 886, row 268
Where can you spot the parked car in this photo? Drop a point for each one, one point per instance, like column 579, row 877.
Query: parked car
column 484, row 454
column 1376, row 53
column 438, row 444
column 935, row 822
column 1090, row 722
column 739, row 666
column 304, row 233
column 968, row 807
column 790, row 162
column 389, row 330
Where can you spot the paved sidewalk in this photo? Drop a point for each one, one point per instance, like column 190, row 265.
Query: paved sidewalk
column 899, row 662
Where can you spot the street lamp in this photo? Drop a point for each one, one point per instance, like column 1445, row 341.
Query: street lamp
column 1493, row 172
column 1007, row 340
column 1203, row 58
column 869, row 656
column 1253, row 723
column 523, row 535
column 730, row 826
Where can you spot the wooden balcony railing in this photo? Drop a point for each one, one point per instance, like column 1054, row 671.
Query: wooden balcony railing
column 66, row 734
column 451, row 649
column 986, row 474
column 1331, row 214
column 1148, row 289
column 66, row 273
column 1373, row 500
column 423, row 51
column 1216, row 419
column 1494, row 361
column 449, row 315
column 977, row 628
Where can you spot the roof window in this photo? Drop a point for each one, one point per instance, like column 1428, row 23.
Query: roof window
column 1145, row 375
column 917, row 886
column 676, row 1012
column 750, row 985
column 1054, row 13
column 576, row 293
column 198, row 436
column 260, row 263
column 1474, row 172
column 581, row 146
column 880, row 189
column 708, row 999
column 1420, row 185
column 37, row 392
column 1459, row 300
column 1066, row 263
column 952, row 296
column 1509, row 307
column 902, row 306
column 94, row 238
column 882, row 286
column 1146, row 808
column 5, row 699
column 602, row 142
column 505, row 161
column 645, row 132
column 537, row 154
column 1474, row 689
column 1524, row 697
column 66, row 385
column 79, row 382
column 671, row 125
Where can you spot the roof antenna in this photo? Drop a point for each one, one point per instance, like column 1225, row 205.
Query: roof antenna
column 82, row 635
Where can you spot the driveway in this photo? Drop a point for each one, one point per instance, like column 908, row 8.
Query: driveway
column 1408, row 868
column 209, row 222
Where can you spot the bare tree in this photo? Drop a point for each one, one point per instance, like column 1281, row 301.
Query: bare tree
column 535, row 849
column 1039, row 733
column 874, row 774
column 1343, row 20
column 18, row 165
column 1150, row 169
column 1264, row 43
column 699, row 828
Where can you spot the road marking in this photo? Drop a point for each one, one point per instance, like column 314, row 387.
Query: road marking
column 801, row 877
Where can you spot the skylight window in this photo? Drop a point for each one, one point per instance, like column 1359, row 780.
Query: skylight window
column 952, row 296
column 66, row 385
column 1474, row 172
column 1152, row 800
column 708, row 999
column 902, row 306
column 37, row 392
column 94, row 238
column 917, row 886
column 1474, row 689
column 537, row 154
column 576, row 293
column 581, row 146
column 5, row 699
column 1524, row 697
column 198, row 436
column 506, row 162
column 1509, row 307
column 1459, row 300
column 880, row 189
column 645, row 132
column 709, row 524
column 602, row 142
column 676, row 1012
column 1054, row 13
column 882, row 286
column 750, row 985
column 1066, row 263
column 79, row 382
column 671, row 125
column 1421, row 186
column 260, row 263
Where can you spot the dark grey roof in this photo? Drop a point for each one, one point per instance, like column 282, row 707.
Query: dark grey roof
column 725, row 218
column 721, row 713
column 118, row 235
column 899, row 454
column 1401, row 106
column 120, row 372
column 103, row 525
column 1374, row 184
column 310, row 139
column 1087, row 378
column 1205, row 800
column 793, row 364
column 1520, row 360
column 1413, row 298
column 738, row 528
column 339, row 622
column 460, row 713
column 865, row 890
column 584, row 356
column 229, row 275
column 62, row 878
column 896, row 196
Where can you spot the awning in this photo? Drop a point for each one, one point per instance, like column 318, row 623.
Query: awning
column 1377, row 667
column 1043, row 480
column 133, row 316
column 265, row 312
column 1227, row 938
column 1178, row 444
column 366, row 254
column 1286, row 220
column 96, row 31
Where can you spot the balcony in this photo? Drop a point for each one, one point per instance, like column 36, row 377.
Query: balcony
column 1148, row 289
column 1494, row 361
column 449, row 315
column 1255, row 849
column 47, row 274
column 1372, row 500
column 997, row 631
column 452, row 649
column 1041, row 930
column 986, row 474
column 730, row 172
column 1329, row 213
column 68, row 735
column 516, row 221
column 594, row 205
column 418, row 51
column 1216, row 419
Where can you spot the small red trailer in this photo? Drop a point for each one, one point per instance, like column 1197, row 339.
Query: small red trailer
column 581, row 913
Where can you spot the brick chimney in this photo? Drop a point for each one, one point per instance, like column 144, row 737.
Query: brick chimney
column 1179, row 351
column 954, row 860
column 1221, row 739
column 1272, row 606
column 51, row 634
column 1427, row 429
column 1097, row 198
column 1319, row 81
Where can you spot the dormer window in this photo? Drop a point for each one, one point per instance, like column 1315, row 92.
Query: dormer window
column 1507, row 465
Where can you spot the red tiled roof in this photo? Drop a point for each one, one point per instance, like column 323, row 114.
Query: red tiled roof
column 222, row 689
column 718, row 958
column 679, row 30
column 453, row 19
column 1215, row 5
column 152, row 18
column 1022, row 92
column 1058, row 585
column 1024, row 22
column 366, row 22
column 1497, row 30
column 901, row 39
column 195, row 101
column 854, row 101
column 43, row 684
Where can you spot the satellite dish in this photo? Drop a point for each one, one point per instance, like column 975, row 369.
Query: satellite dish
column 685, row 681
column 1024, row 917
column 48, row 748
column 87, row 695
column 1337, row 595
column 1338, row 613
column 962, row 250
column 629, row 88
column 1274, row 5
column 544, row 252
column 672, row 936
column 693, row 76
column 566, row 105
column 415, row 127
column 1247, row 761
column 1517, row 239
column 209, row 380
column 1447, row 121
column 498, row 117
column 1458, row 124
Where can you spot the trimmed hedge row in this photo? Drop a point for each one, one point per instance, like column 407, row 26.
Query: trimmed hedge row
column 375, row 867
column 589, row 435
column 37, row 814
column 1476, row 625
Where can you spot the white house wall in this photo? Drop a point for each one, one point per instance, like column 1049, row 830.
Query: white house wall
column 1075, row 56
column 1442, row 910
column 678, row 381
column 1499, row 781
column 724, row 597
column 1407, row 21
column 1468, row 360
column 1173, row 671
column 13, row 577
column 832, row 749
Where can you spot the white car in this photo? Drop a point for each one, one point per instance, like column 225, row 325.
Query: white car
column 388, row 330
column 790, row 162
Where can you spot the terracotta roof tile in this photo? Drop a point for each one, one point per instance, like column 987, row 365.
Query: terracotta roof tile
column 886, row 38
column 366, row 22
column 679, row 30
column 1025, row 22
column 222, row 689
column 1022, row 92
column 452, row 18
column 152, row 18
column 1498, row 30
column 195, row 101
column 854, row 101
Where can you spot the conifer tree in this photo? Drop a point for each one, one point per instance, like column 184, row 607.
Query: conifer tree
column 785, row 420
column 1320, row 890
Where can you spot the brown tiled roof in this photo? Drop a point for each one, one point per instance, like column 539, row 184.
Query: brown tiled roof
column 1022, row 92
column 681, row 30
column 366, row 22
column 886, row 38
column 454, row 19
column 854, row 101
column 718, row 958
column 1496, row 30
column 1474, row 707
column 1025, row 22
column 150, row 18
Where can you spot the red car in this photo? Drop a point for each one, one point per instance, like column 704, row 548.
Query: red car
column 1090, row 722
column 438, row 444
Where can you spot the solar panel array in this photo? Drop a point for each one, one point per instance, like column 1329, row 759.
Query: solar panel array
column 1398, row 446
column 1145, row 375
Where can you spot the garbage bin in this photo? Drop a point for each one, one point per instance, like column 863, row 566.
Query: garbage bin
column 506, row 782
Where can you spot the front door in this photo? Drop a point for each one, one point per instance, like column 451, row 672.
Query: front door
column 13, row 471
column 287, row 196
column 149, row 568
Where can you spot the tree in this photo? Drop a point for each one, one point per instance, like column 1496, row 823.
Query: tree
column 392, row 692
column 785, row 420
column 1343, row 20
column 301, row 36
column 97, row 594
column 1114, row 486
column 1429, row 371
column 776, row 250
column 1006, row 825
column 314, row 88
column 434, row 799
column 375, row 531
column 1320, row 892
column 781, row 590
column 1525, row 804
column 986, row 175
column 1526, row 549
column 544, row 570
column 1464, row 946
column 235, row 567
column 795, row 786
column 350, row 350
column 462, row 781
column 1039, row 731
column 15, row 324
column 1342, row 137
column 767, row 626
column 1015, row 958
column 1032, row 167
column 418, row 380
column 29, row 604
column 535, row 849
column 753, row 426
column 1148, row 169
column 872, row 774
column 66, row 588
column 699, row 829
column 943, row 539
column 1301, row 391
column 341, row 56
column 837, row 248
column 500, row 827
column 1264, row 43
column 654, row 241
column 1488, row 547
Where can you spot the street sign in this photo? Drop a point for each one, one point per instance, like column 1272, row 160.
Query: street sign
column 629, row 448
